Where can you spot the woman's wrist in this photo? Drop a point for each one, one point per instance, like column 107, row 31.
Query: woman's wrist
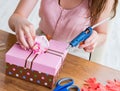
column 13, row 20
column 11, row 23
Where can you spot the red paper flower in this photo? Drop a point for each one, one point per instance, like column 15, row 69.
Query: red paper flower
column 92, row 85
column 113, row 85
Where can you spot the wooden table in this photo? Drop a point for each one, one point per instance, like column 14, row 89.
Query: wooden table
column 77, row 68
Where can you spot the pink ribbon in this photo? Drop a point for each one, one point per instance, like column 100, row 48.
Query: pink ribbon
column 41, row 45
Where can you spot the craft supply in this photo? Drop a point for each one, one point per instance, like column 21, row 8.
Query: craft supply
column 85, row 34
column 68, row 84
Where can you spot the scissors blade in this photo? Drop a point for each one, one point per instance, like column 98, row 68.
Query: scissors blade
column 73, row 87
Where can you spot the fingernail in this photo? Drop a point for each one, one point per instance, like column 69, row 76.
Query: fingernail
column 23, row 47
column 29, row 49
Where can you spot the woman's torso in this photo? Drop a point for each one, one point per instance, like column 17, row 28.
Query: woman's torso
column 63, row 24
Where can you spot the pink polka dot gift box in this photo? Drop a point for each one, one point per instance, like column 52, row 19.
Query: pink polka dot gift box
column 36, row 66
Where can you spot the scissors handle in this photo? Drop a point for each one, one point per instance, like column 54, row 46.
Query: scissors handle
column 60, row 87
column 76, row 88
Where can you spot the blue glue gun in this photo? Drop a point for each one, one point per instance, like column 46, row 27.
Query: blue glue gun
column 81, row 37
column 85, row 34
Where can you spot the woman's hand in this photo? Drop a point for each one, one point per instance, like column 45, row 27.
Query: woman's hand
column 25, row 32
column 90, row 44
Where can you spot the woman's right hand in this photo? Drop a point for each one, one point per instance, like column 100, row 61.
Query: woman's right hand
column 25, row 32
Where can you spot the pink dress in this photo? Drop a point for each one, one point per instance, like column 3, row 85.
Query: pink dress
column 63, row 24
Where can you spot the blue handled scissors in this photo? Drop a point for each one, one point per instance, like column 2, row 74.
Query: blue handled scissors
column 67, row 86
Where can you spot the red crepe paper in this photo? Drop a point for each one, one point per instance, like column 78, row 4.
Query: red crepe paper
column 92, row 85
column 113, row 85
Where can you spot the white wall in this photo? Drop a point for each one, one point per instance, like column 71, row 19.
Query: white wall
column 109, row 54
column 112, row 53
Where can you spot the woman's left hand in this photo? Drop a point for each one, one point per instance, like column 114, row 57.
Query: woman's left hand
column 90, row 44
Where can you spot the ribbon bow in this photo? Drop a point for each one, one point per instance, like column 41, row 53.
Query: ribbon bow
column 41, row 45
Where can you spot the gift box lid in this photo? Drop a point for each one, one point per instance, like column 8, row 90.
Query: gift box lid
column 16, row 55
column 58, row 46
column 48, row 63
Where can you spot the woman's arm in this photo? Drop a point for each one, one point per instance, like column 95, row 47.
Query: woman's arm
column 25, row 32
column 99, row 34
column 25, row 7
